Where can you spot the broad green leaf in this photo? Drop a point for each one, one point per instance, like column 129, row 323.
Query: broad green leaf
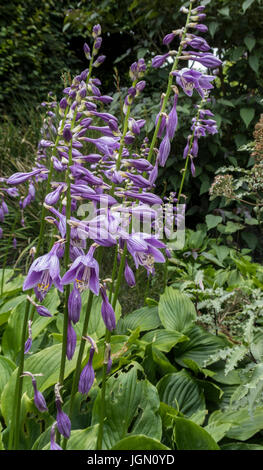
column 83, row 439
column 254, row 64
column 176, row 310
column 243, row 425
column 46, row 362
column 200, row 346
column 241, row 446
column 139, row 442
column 181, row 391
column 12, row 281
column 190, row 436
column 217, row 431
column 8, row 306
column 247, row 114
column 146, row 318
column 11, row 341
column 163, row 339
column 246, row 4
column 250, row 42
column 6, row 369
column 212, row 221
column 132, row 407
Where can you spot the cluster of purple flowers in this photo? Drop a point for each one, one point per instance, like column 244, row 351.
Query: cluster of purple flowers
column 116, row 182
column 188, row 79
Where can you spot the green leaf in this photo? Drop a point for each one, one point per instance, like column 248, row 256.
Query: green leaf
column 6, row 369
column 212, row 221
column 243, row 425
column 11, row 341
column 176, row 310
column 84, row 439
column 163, row 339
column 247, row 114
column 254, row 64
column 217, row 431
column 200, row 346
column 132, row 407
column 250, row 42
column 139, row 442
column 224, row 11
column 146, row 318
column 190, row 436
column 246, row 4
column 46, row 362
column 181, row 391
column 241, row 446
column 213, row 27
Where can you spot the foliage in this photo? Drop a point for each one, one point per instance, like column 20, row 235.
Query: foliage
column 182, row 398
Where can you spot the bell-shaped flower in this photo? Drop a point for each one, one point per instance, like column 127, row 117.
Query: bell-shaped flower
column 44, row 272
column 84, row 272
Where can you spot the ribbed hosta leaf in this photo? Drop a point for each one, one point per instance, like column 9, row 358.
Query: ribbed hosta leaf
column 200, row 347
column 132, row 407
column 176, row 310
column 181, row 391
column 163, row 339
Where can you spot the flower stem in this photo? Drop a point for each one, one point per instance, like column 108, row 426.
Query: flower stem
column 107, row 340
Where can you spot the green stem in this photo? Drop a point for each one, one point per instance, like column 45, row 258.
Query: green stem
column 67, row 260
column 15, row 429
column 107, row 341
column 169, row 86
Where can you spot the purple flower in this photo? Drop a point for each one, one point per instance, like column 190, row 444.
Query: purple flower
column 71, row 341
column 164, row 150
column 144, row 197
column 189, row 79
column 18, row 178
column 87, row 375
column 74, row 305
column 63, row 421
column 28, row 342
column 159, row 60
column 99, row 60
column 39, row 399
column 168, row 38
column 43, row 311
column 44, row 272
column 129, row 275
column 145, row 251
column 172, row 119
column 207, row 59
column 53, row 444
column 199, row 43
column 107, row 311
column 84, row 271
column 96, row 30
